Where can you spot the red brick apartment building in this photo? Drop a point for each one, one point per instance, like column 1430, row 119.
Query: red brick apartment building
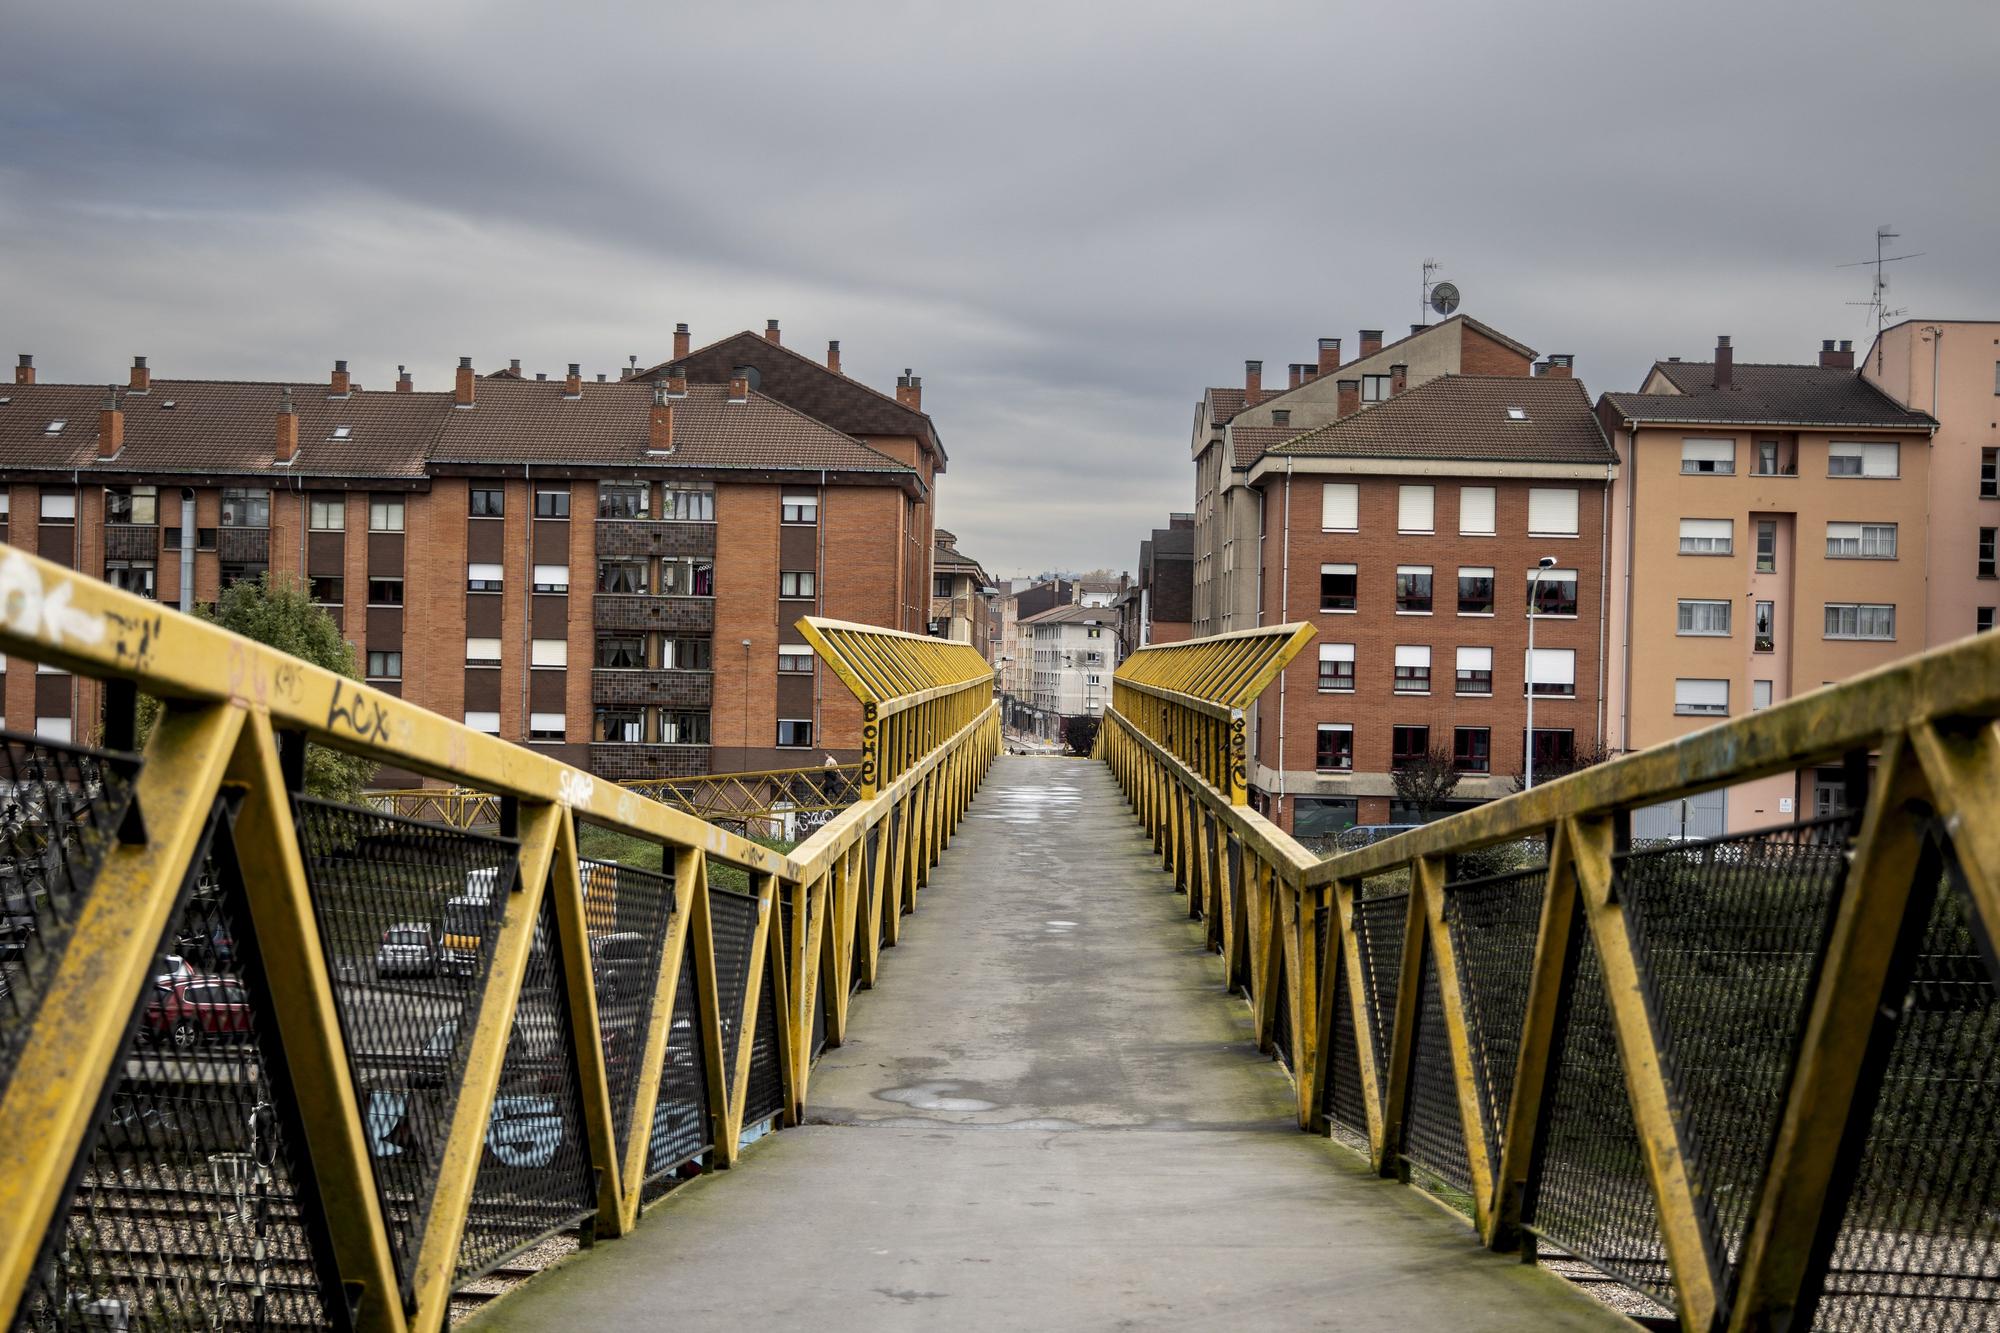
column 609, row 570
column 1407, row 533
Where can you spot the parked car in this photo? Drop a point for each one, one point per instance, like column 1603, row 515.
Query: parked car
column 174, row 969
column 619, row 963
column 409, row 949
column 187, row 1013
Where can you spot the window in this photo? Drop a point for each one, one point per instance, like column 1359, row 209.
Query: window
column 800, row 509
column 794, row 732
column 687, row 654
column 1475, row 511
column 384, row 666
column 1701, row 698
column 132, row 504
column 1713, row 456
column 1334, row 752
column 1555, row 747
column 795, row 658
column 548, row 726
column 623, row 499
column 385, row 513
column 1408, row 744
column 134, row 576
column 243, row 507
column 1861, row 460
column 683, row 728
column 1551, row 512
column 621, row 652
column 1472, row 749
column 58, row 506
column 52, row 728
column 1414, row 505
column 621, row 576
column 1336, row 587
column 482, row 652
column 1760, row 695
column 687, row 578
column 619, row 725
column 1554, row 591
column 484, row 723
column 326, row 589
column 1336, row 667
column 1767, row 458
column 1766, row 623
column 795, row 583
column 941, row 586
column 1413, row 589
column 327, row 513
column 548, row 652
column 385, row 592
column 1982, row 620
column 1706, row 618
column 1707, row 536
column 688, row 501
column 551, row 578
column 552, row 504
column 1551, row 672
column 1861, row 541
column 1852, row 620
column 1413, row 668
column 1767, row 546
column 1475, row 592
column 242, row 571
column 488, row 502
column 1475, row 671
column 1374, row 388
column 1986, row 544
column 1989, row 474
column 1340, row 507
column 484, row 578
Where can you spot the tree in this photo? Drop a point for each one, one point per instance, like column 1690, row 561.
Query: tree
column 283, row 616
column 1548, row 770
column 1080, row 734
column 1426, row 781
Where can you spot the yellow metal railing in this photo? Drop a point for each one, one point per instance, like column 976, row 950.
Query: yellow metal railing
column 1756, row 1078
column 759, row 795
column 349, row 1051
column 914, row 691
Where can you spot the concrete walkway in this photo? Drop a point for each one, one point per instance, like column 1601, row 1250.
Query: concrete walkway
column 1047, row 1115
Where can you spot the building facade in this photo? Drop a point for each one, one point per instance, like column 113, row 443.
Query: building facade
column 961, row 596
column 1073, row 650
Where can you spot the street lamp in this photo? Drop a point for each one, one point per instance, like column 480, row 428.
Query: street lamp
column 1547, row 562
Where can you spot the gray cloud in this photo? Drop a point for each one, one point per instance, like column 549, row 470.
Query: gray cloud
column 1067, row 218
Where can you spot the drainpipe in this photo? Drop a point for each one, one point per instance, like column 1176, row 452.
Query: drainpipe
column 1631, row 489
column 819, row 586
column 187, row 549
column 1603, row 594
column 1930, row 462
column 527, row 606
column 1284, row 618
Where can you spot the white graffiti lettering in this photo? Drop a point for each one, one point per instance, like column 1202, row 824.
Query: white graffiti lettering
column 27, row 608
column 574, row 789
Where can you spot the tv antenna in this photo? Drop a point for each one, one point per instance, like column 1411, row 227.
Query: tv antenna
column 1439, row 296
column 1878, row 300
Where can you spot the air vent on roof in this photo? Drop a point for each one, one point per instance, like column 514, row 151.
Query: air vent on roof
column 1517, row 414
column 342, row 432
column 55, row 427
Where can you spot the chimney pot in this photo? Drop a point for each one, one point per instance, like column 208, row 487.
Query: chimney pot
column 573, row 383
column 910, row 391
column 1725, row 362
column 680, row 342
column 1836, row 356
column 541, row 377
column 833, row 355
column 462, row 390
column 1347, row 397
column 1826, row 344
column 403, row 384
column 771, row 331
column 1847, row 344
column 1329, row 355
column 1371, row 342
column 1418, row 328
column 142, row 376
column 660, row 432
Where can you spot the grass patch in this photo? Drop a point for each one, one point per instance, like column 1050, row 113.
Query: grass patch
column 595, row 843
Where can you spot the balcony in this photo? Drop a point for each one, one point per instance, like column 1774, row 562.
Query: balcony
column 691, row 690
column 645, row 611
column 131, row 541
column 653, row 537
column 622, row 762
column 244, row 545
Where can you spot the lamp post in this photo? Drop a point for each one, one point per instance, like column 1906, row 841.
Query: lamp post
column 1547, row 562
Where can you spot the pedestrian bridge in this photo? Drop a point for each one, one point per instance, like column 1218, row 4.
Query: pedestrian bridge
column 984, row 1048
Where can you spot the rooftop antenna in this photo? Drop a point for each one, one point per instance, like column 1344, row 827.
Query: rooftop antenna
column 1878, row 298
column 1436, row 295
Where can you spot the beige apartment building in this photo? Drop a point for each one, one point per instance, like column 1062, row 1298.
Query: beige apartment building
column 1769, row 536
column 1950, row 368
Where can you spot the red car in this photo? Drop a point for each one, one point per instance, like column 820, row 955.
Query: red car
column 188, row 1012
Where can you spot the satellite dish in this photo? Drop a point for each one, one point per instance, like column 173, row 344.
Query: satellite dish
column 1444, row 298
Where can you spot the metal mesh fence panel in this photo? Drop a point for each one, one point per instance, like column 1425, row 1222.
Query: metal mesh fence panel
column 765, row 1095
column 1919, row 1245
column 1378, row 931
column 60, row 810
column 680, row 1116
column 535, row 1177
column 1593, row 1197
column 732, row 920
column 1433, row 1131
column 867, row 907
column 408, row 916
column 891, row 905
column 626, row 911
column 1727, row 935
column 1281, row 1024
column 1493, row 922
column 192, row 1205
column 1346, row 1100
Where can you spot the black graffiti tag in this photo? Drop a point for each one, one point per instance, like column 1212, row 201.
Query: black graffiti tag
column 356, row 712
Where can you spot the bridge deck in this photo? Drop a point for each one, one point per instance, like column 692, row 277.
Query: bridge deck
column 1047, row 1115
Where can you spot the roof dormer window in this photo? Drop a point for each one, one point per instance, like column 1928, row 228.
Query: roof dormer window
column 56, row 427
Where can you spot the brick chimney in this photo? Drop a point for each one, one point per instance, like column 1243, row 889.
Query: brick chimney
column 142, row 377
column 462, row 394
column 1418, row 328
column 1348, row 399
column 1836, row 356
column 771, row 334
column 1294, row 375
column 833, row 355
column 1562, row 365
column 739, row 387
column 339, row 386
column 403, row 382
column 110, row 425
column 660, row 431
column 1371, row 342
column 288, row 428
column 1539, row 370
column 25, row 372
column 1329, row 355
column 1399, row 379
column 680, row 342
column 1725, row 363
column 677, row 381
column 910, row 390
column 1253, row 383
column 573, row 382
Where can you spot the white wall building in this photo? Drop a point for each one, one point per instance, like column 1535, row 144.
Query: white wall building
column 1072, row 652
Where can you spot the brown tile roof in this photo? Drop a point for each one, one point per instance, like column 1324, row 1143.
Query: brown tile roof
column 1773, row 395
column 1465, row 417
column 26, row 410
column 532, row 421
column 1224, row 404
column 1249, row 443
column 1467, row 321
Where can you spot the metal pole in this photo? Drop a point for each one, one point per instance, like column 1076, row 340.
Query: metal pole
column 1528, row 750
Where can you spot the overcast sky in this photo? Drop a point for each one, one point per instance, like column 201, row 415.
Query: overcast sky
column 1067, row 218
